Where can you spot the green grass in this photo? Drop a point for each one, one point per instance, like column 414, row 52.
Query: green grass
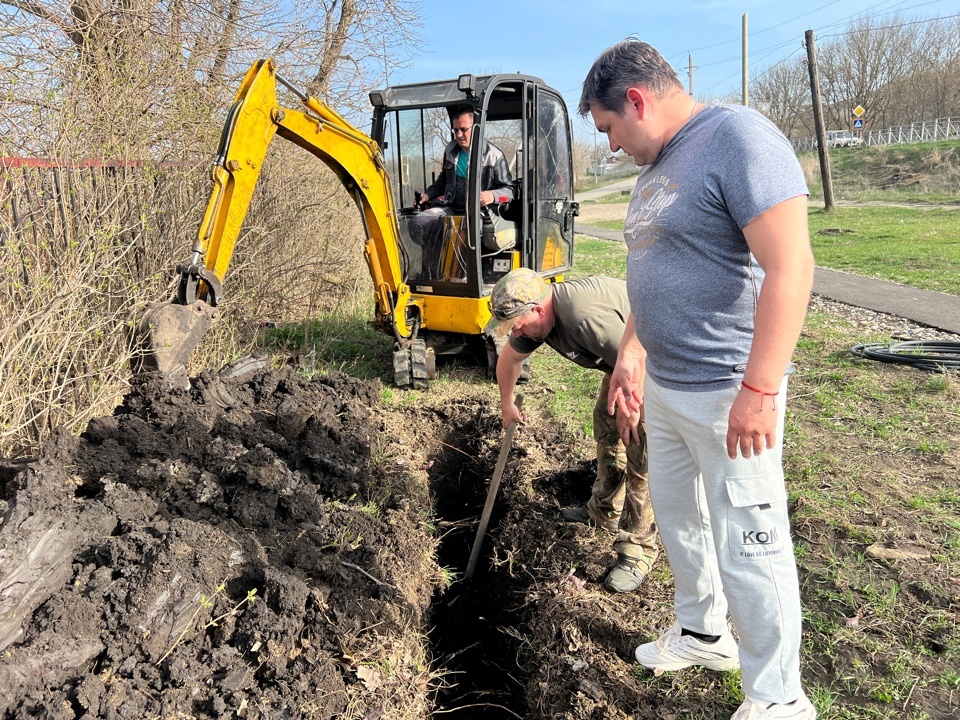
column 340, row 339
column 609, row 224
column 864, row 458
column 593, row 256
column 911, row 246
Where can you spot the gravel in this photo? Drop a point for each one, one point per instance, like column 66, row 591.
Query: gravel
column 872, row 322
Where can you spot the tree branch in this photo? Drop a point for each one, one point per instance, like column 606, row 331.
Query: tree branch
column 333, row 47
column 37, row 10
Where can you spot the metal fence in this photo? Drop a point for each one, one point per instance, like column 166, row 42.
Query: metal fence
column 916, row 132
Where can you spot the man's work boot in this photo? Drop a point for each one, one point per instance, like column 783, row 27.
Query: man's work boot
column 582, row 515
column 631, row 569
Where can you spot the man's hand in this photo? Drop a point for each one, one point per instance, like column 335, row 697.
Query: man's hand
column 486, row 197
column 628, row 426
column 625, row 399
column 626, row 388
column 509, row 365
column 511, row 413
column 752, row 424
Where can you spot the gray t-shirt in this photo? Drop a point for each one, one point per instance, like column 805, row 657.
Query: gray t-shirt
column 692, row 280
column 590, row 317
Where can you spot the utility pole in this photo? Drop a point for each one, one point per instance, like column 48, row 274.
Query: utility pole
column 690, row 72
column 818, row 122
column 596, row 160
column 745, row 79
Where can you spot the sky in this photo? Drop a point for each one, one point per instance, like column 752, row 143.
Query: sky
column 558, row 40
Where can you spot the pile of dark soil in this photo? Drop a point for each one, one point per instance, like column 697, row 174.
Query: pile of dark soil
column 234, row 550
column 265, row 546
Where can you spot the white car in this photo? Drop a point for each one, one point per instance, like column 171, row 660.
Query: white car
column 843, row 138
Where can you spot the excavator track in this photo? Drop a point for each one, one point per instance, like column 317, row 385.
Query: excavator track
column 414, row 365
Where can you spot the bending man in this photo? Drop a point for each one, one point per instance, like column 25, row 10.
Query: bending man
column 584, row 320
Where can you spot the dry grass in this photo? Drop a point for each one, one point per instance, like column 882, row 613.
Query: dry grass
column 78, row 263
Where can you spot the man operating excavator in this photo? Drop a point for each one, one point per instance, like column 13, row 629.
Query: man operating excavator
column 448, row 195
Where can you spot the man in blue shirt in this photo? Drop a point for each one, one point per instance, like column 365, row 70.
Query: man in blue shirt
column 448, row 194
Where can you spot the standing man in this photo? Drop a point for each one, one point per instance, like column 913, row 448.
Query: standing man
column 719, row 272
column 448, row 194
column 584, row 320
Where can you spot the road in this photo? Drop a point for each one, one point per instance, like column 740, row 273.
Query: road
column 627, row 183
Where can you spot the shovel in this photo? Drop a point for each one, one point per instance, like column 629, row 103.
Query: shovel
column 491, row 495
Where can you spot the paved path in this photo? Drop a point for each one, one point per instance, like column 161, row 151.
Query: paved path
column 628, row 183
column 935, row 309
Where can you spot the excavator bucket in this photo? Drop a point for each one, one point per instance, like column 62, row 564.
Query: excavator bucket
column 166, row 335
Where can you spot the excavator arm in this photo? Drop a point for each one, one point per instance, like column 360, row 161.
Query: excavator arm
column 169, row 332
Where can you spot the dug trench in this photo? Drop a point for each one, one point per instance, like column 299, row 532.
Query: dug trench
column 266, row 546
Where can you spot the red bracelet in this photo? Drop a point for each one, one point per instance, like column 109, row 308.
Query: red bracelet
column 762, row 395
column 757, row 390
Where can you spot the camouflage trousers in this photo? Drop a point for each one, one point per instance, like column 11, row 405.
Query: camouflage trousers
column 620, row 490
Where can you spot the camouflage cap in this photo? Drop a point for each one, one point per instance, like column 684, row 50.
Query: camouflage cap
column 514, row 294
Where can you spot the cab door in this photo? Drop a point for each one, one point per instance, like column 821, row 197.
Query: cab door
column 551, row 184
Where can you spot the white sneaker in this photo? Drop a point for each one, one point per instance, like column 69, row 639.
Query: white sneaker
column 799, row 709
column 673, row 651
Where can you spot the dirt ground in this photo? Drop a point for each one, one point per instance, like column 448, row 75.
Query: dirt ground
column 265, row 546
column 258, row 546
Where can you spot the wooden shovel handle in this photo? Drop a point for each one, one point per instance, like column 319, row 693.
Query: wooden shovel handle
column 492, row 494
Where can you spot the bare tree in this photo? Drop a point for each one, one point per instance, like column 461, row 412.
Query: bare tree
column 931, row 87
column 146, row 85
column 784, row 94
column 139, row 77
column 899, row 69
column 859, row 68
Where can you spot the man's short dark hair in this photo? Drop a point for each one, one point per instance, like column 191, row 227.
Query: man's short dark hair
column 629, row 63
column 459, row 110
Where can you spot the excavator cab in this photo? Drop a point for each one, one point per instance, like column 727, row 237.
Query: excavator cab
column 430, row 296
column 452, row 260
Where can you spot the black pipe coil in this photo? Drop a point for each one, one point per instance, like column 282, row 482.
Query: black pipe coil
column 933, row 355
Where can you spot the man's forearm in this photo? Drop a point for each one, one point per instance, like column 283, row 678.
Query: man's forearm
column 626, row 382
column 509, row 366
column 630, row 349
column 781, row 309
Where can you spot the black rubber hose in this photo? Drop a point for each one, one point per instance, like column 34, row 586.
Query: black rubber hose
column 933, row 355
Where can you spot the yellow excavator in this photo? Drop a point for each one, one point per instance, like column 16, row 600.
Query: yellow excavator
column 431, row 297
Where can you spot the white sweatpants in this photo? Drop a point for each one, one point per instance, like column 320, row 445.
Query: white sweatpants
column 725, row 529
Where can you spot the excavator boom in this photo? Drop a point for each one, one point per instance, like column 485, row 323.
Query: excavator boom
column 169, row 332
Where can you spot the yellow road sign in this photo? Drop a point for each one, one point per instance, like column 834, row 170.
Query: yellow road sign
column 858, row 111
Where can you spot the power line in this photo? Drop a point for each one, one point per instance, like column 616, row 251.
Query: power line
column 893, row 27
column 803, row 15
column 773, row 48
